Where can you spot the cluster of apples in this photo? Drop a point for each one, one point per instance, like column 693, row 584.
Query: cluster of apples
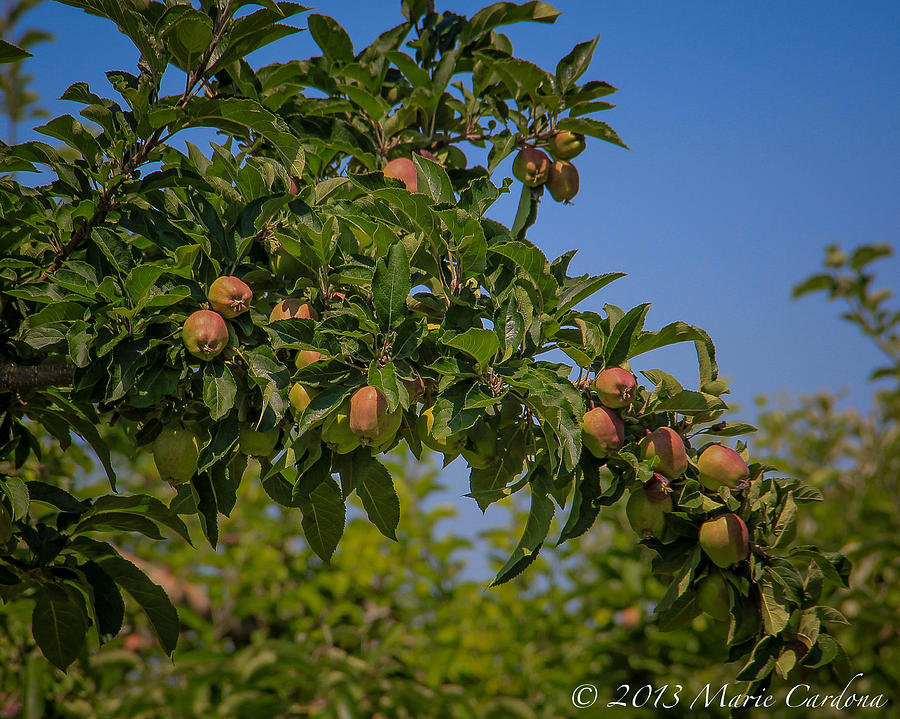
column 205, row 333
column 724, row 539
column 532, row 167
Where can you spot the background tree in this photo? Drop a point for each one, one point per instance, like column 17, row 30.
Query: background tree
column 17, row 101
column 326, row 285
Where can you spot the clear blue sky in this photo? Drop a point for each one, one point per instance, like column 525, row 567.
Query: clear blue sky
column 760, row 132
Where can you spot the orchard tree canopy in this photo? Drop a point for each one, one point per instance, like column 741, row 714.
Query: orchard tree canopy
column 324, row 285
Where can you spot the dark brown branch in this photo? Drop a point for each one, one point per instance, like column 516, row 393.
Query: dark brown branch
column 19, row 377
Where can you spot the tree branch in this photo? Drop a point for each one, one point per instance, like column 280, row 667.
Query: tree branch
column 17, row 377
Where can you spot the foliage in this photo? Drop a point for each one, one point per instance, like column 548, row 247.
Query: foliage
column 854, row 459
column 102, row 265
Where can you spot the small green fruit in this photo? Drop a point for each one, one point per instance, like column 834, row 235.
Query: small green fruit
column 336, row 432
column 563, row 181
column 646, row 516
column 725, row 540
column 285, row 266
column 531, row 167
column 714, row 597
column 300, row 397
column 205, row 334
column 666, row 444
column 257, row 444
column 721, row 466
column 369, row 416
column 175, row 453
column 616, row 387
column 565, row 145
column 229, row 296
column 448, row 445
column 602, row 431
column 305, row 358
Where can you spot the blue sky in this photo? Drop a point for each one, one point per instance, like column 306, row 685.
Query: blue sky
column 760, row 132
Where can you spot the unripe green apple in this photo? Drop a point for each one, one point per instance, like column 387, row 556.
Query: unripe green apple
column 285, row 266
column 255, row 443
column 300, row 397
column 714, row 597
column 602, row 431
column 616, row 387
column 292, row 308
column 175, row 453
column 403, row 169
column 336, row 432
column 646, row 516
column 305, row 358
column 453, row 157
column 725, row 540
column 450, row 445
column 565, row 145
column 531, row 166
column 204, row 334
column 721, row 466
column 229, row 296
column 666, row 444
column 415, row 388
column 369, row 416
column 563, row 181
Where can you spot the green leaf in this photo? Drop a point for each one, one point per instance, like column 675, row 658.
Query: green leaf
column 690, row 402
column 219, row 389
column 862, row 256
column 241, row 117
column 375, row 488
column 591, row 128
column 762, row 660
column 668, row 335
column 11, row 53
column 786, row 525
column 619, row 344
column 207, row 511
column 391, row 286
column 106, row 600
column 144, row 505
column 536, row 528
column 324, row 516
column 56, row 497
column 773, row 606
column 118, row 522
column 17, row 492
column 331, row 37
column 575, row 289
column 59, row 624
column 506, row 13
column 433, row 179
column 480, row 344
column 575, row 64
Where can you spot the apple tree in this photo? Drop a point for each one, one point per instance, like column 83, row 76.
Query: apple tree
column 324, row 285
